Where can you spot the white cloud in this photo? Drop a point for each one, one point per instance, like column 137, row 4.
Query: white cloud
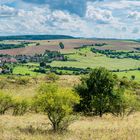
column 121, row 4
column 102, row 16
column 98, row 15
column 40, row 20
column 134, row 15
column 6, row 11
column 108, row 18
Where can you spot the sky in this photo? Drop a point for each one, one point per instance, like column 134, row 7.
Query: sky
column 80, row 18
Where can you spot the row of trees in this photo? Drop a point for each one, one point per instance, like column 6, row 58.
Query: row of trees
column 43, row 68
column 99, row 93
column 4, row 46
column 118, row 54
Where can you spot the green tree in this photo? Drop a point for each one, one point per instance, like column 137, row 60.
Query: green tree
column 61, row 45
column 58, row 104
column 96, row 91
column 133, row 77
column 42, row 64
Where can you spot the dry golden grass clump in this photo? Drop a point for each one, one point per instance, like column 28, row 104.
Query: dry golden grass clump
column 37, row 127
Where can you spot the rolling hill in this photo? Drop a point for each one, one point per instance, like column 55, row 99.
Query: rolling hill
column 35, row 37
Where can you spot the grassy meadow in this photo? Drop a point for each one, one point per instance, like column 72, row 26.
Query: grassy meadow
column 84, row 58
column 33, row 126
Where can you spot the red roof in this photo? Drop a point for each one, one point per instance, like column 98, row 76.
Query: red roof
column 8, row 60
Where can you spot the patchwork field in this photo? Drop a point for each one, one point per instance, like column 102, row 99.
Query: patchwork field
column 79, row 56
column 69, row 44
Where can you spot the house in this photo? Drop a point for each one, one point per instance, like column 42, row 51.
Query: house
column 1, row 70
column 3, row 61
column 7, row 60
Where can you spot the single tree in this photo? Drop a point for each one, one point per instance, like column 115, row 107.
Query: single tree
column 57, row 103
column 133, row 77
column 96, row 91
column 61, row 45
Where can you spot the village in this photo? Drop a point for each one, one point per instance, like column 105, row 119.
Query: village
column 47, row 57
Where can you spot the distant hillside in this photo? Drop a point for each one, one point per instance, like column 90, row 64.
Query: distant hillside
column 36, row 37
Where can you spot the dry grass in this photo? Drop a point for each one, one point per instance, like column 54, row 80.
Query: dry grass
column 68, row 80
column 30, row 89
column 37, row 127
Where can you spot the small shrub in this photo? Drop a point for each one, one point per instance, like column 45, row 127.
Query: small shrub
column 124, row 103
column 51, row 77
column 22, row 80
column 20, row 107
column 6, row 103
column 3, row 83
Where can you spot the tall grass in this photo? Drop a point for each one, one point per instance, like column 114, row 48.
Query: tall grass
column 37, row 127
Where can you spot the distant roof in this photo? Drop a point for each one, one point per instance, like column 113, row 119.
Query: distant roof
column 8, row 60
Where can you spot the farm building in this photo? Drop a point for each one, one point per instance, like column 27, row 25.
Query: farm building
column 7, row 60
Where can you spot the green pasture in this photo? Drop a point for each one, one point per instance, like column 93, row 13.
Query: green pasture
column 128, row 74
column 93, row 60
column 24, row 70
column 83, row 58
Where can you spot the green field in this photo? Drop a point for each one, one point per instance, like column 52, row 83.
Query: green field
column 24, row 70
column 129, row 74
column 91, row 60
column 85, row 58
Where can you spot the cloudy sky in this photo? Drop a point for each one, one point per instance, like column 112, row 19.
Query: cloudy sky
column 85, row 18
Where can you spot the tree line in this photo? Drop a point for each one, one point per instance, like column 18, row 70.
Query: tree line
column 118, row 54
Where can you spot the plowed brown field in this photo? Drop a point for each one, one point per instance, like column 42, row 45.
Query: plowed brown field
column 70, row 44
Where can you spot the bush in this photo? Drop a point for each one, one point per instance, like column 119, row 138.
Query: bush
column 6, row 103
column 124, row 103
column 22, row 80
column 57, row 104
column 20, row 107
column 51, row 77
column 3, row 83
